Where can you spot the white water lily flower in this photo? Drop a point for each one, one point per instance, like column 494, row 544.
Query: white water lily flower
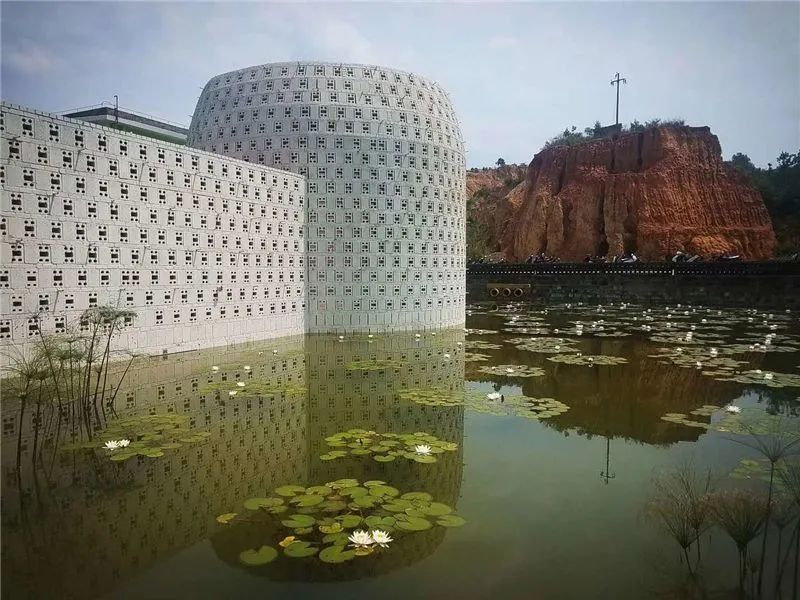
column 698, row 364
column 370, row 336
column 215, row 368
column 459, row 343
column 714, row 352
column 447, row 356
column 112, row 445
column 493, row 396
column 246, row 367
column 123, row 443
column 381, row 538
column 274, row 351
column 240, row 383
column 509, row 370
column 232, row 393
column 733, row 409
column 422, row 449
column 768, row 375
column 361, row 539
column 341, row 337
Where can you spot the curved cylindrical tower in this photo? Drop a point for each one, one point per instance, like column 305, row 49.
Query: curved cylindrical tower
column 384, row 159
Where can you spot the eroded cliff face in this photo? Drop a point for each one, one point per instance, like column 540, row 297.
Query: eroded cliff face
column 652, row 193
column 486, row 190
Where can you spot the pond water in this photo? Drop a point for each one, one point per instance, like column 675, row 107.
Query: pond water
column 546, row 424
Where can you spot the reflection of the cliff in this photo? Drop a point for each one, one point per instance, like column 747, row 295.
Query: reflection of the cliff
column 97, row 523
column 601, row 401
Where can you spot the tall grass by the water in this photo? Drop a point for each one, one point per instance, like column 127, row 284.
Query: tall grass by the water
column 67, row 384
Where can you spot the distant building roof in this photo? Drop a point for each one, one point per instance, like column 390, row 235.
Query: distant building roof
column 127, row 120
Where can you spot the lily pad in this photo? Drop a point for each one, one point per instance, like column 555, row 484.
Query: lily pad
column 256, row 503
column 417, row 496
column 336, row 554
column 307, row 500
column 414, row 524
column 437, row 509
column 289, row 490
column 298, row 521
column 300, row 549
column 350, row 521
column 256, row 558
column 450, row 521
column 226, row 518
column 381, row 491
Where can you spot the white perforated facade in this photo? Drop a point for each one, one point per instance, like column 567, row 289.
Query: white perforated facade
column 384, row 160
column 208, row 250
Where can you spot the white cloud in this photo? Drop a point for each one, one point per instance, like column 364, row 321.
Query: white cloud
column 31, row 59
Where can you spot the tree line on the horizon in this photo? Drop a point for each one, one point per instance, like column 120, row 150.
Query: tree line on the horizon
column 779, row 185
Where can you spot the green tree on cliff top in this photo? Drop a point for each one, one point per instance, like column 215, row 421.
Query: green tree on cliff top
column 780, row 188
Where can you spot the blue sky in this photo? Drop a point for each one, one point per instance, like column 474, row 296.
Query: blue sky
column 518, row 73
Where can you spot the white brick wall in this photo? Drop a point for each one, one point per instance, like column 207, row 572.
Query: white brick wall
column 207, row 250
column 384, row 158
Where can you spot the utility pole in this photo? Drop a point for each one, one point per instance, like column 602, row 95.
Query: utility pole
column 116, row 107
column 616, row 81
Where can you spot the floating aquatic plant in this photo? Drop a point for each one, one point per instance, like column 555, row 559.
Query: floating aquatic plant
column 146, row 435
column 253, row 387
column 544, row 345
column 338, row 521
column 767, row 378
column 512, row 370
column 706, row 410
column 588, row 360
column 494, row 404
column 480, row 331
column 610, row 334
column 481, row 345
column 475, row 357
column 386, row 447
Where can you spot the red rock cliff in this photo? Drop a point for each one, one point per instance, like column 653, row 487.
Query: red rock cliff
column 652, row 193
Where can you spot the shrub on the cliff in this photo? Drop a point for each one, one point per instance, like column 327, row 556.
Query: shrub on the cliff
column 571, row 136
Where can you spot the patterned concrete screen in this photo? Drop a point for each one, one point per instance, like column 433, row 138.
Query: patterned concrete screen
column 208, row 250
column 384, row 158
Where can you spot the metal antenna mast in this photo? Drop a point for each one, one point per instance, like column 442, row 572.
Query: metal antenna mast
column 616, row 81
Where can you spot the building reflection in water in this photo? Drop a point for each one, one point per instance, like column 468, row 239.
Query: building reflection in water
column 94, row 523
